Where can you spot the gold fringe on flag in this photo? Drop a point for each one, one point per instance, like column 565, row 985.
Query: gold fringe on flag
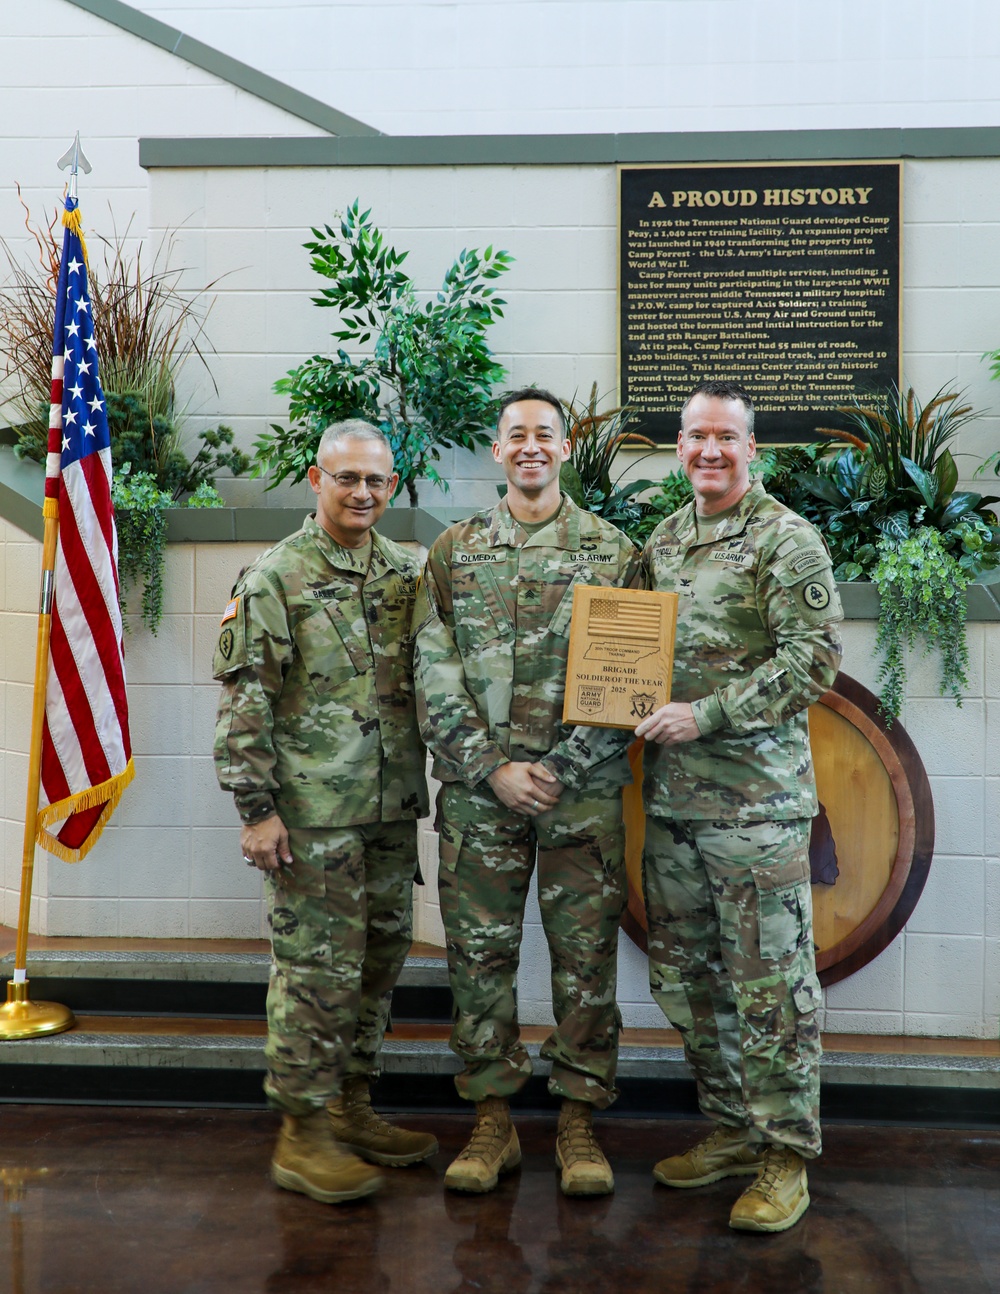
column 110, row 791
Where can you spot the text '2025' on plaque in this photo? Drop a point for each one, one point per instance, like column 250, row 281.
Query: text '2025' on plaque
column 621, row 655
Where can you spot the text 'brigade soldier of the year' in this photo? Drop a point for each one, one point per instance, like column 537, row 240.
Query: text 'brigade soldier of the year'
column 491, row 637
column 729, row 794
column 317, row 739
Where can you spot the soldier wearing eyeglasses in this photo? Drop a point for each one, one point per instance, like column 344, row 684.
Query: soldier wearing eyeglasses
column 317, row 740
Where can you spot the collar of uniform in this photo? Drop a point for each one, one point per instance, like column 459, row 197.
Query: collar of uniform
column 734, row 524
column 344, row 559
column 563, row 532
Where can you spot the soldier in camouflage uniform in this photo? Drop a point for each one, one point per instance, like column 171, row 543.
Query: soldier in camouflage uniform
column 317, row 739
column 729, row 794
column 491, row 632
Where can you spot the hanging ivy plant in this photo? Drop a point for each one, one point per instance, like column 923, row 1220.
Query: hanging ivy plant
column 922, row 595
column 141, row 521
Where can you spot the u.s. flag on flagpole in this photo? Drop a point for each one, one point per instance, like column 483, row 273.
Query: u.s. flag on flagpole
column 86, row 759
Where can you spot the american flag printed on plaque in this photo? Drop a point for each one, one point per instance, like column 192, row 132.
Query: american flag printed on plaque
column 621, row 652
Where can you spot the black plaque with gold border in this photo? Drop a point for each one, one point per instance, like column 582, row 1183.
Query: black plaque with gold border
column 785, row 277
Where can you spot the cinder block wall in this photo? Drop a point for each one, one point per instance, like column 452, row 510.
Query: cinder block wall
column 165, row 865
column 560, row 323
column 169, row 866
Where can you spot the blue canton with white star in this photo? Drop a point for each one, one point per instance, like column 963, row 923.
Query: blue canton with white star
column 85, row 419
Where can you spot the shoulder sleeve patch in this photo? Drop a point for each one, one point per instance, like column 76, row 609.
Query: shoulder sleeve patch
column 231, row 648
column 807, row 577
column 816, row 595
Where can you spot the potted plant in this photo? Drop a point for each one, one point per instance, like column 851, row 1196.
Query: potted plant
column 890, row 510
column 145, row 328
column 588, row 475
column 429, row 376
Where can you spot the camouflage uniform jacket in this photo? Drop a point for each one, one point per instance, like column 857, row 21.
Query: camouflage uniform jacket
column 757, row 643
column 316, row 719
column 492, row 637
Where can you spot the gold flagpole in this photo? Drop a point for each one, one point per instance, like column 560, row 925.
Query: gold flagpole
column 20, row 1017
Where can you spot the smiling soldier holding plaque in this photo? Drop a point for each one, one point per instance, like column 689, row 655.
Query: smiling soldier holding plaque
column 730, row 794
column 491, row 635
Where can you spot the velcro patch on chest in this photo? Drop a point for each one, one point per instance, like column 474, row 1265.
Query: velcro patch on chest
column 732, row 557
column 465, row 559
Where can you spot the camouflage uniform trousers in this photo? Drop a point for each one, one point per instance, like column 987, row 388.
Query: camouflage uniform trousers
column 341, row 926
column 487, row 858
column 732, row 966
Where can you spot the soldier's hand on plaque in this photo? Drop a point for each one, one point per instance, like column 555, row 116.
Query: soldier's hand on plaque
column 671, row 725
column 265, row 844
column 526, row 788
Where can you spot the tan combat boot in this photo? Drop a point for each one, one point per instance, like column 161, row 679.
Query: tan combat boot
column 585, row 1171
column 493, row 1149
column 779, row 1196
column 307, row 1159
column 725, row 1152
column 357, row 1125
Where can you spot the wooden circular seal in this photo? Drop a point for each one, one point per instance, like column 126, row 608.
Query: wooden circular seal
column 872, row 842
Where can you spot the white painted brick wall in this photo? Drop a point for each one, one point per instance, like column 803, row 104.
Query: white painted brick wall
column 165, row 865
column 168, row 865
column 560, row 222
column 525, row 66
column 65, row 70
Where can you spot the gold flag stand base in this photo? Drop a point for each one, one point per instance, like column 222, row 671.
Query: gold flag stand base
column 20, row 1018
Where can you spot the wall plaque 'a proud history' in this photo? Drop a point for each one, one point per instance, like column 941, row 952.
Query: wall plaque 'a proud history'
column 621, row 655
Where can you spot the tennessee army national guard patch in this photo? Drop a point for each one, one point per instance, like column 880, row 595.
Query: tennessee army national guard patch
column 227, row 637
column 231, row 646
column 816, row 595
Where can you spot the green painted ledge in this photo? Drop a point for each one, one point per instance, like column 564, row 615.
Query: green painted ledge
column 268, row 525
column 357, row 149
column 21, row 488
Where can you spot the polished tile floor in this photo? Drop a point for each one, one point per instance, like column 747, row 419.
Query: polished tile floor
column 178, row 1201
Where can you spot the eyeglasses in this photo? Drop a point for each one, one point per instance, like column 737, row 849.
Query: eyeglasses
column 351, row 480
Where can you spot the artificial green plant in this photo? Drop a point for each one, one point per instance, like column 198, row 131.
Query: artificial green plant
column 145, row 328
column 890, row 509
column 589, row 474
column 422, row 371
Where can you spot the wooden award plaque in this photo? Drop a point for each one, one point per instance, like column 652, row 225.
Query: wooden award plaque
column 621, row 655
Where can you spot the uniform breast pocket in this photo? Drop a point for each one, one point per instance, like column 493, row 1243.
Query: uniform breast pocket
column 563, row 614
column 326, row 657
column 480, row 618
